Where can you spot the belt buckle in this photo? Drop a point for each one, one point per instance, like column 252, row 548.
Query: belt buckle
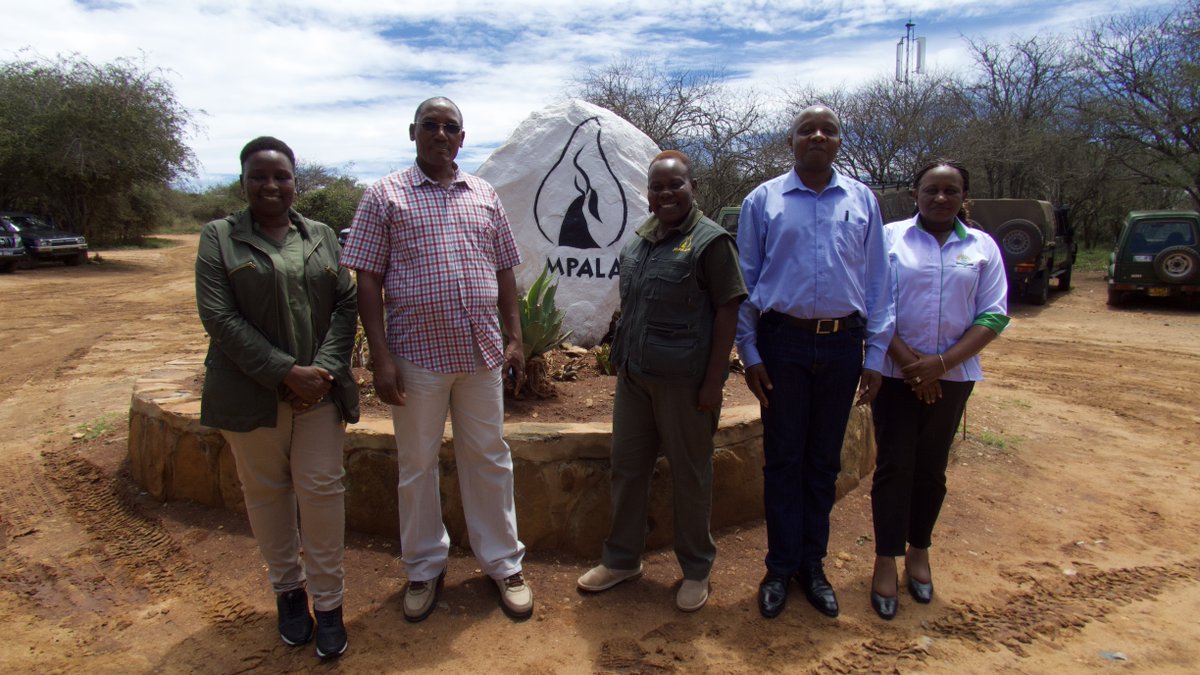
column 827, row 326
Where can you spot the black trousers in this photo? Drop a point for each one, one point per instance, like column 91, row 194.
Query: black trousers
column 913, row 440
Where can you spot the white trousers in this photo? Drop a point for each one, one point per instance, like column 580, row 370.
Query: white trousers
column 475, row 402
column 297, row 463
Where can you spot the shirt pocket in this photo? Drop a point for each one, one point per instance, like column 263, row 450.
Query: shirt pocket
column 669, row 350
column 850, row 236
column 669, row 281
column 477, row 223
column 625, row 278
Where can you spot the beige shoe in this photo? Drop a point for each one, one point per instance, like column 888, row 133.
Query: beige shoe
column 420, row 598
column 692, row 595
column 516, row 598
column 601, row 578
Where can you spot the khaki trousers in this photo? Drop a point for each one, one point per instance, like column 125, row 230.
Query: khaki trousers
column 649, row 418
column 297, row 464
column 475, row 402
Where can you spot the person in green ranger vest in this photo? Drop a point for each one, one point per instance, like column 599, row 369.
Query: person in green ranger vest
column 680, row 287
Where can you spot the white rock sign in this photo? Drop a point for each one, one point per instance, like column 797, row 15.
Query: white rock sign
column 572, row 178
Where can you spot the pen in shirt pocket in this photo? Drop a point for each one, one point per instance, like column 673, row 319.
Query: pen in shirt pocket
column 846, row 218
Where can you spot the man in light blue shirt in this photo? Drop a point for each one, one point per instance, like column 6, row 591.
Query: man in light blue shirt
column 815, row 263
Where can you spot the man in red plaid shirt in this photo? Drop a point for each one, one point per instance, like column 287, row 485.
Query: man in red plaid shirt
column 433, row 244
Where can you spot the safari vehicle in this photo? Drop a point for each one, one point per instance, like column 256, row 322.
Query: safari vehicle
column 1036, row 240
column 12, row 251
column 43, row 241
column 727, row 218
column 1157, row 255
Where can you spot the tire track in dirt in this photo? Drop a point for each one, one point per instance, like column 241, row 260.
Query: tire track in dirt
column 145, row 555
column 1055, row 605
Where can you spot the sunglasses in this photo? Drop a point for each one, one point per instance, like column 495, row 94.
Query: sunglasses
column 432, row 127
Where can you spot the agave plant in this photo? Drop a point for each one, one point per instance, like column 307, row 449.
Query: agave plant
column 541, row 329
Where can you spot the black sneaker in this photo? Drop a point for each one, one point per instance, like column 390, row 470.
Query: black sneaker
column 295, row 623
column 331, row 633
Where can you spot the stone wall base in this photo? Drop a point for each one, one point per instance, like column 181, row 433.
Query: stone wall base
column 560, row 470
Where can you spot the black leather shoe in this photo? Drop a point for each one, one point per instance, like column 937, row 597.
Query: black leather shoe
column 295, row 623
column 920, row 591
column 772, row 595
column 331, row 633
column 884, row 606
column 817, row 590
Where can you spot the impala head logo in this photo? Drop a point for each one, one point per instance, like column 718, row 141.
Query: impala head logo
column 580, row 203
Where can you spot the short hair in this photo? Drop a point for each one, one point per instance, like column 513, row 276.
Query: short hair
column 675, row 155
column 943, row 161
column 267, row 143
column 433, row 100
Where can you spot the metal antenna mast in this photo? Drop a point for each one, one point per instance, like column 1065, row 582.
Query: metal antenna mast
column 906, row 64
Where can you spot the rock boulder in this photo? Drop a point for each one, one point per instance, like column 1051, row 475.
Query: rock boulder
column 572, row 178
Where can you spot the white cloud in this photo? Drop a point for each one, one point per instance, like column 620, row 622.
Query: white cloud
column 338, row 79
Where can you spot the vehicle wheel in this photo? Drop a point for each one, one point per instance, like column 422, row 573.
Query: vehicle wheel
column 1019, row 240
column 1176, row 264
column 76, row 259
column 8, row 267
column 1115, row 297
column 1039, row 290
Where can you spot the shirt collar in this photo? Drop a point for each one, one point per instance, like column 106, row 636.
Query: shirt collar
column 418, row 177
column 649, row 229
column 243, row 222
column 959, row 228
column 793, row 182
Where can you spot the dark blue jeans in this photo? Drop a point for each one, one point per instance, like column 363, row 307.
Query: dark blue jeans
column 815, row 378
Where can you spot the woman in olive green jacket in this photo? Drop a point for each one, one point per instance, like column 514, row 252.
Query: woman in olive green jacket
column 281, row 314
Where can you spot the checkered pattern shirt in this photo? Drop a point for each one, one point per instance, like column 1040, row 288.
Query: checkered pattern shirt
column 438, row 249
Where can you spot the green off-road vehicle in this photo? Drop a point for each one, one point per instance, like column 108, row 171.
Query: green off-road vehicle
column 1157, row 255
column 1036, row 240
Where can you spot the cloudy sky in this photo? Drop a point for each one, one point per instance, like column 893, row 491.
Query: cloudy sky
column 339, row 79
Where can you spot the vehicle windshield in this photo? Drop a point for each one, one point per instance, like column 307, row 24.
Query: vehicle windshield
column 26, row 222
column 1151, row 236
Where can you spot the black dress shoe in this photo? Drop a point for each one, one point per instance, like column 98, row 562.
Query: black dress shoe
column 772, row 595
column 920, row 591
column 884, row 606
column 817, row 590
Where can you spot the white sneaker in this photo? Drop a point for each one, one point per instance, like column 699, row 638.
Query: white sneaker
column 420, row 598
column 516, row 598
column 692, row 595
column 601, row 578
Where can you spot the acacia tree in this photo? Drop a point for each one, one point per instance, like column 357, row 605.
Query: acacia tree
column 93, row 146
column 1142, row 79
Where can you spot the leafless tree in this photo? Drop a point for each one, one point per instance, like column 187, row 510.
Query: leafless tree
column 729, row 134
column 1016, row 113
column 890, row 128
column 1142, row 79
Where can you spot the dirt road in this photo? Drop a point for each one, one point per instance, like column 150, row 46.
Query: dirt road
column 1068, row 542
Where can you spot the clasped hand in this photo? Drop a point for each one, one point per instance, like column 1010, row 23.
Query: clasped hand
column 307, row 385
column 922, row 376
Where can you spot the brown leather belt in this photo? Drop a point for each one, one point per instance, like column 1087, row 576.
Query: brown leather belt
column 818, row 326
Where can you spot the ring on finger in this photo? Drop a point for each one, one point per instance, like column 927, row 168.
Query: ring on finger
column 917, row 379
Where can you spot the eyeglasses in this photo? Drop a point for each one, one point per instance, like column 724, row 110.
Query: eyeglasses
column 432, row 127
